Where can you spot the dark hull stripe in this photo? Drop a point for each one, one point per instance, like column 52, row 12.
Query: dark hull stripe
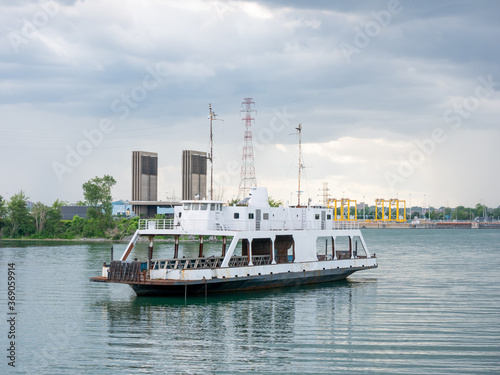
column 242, row 283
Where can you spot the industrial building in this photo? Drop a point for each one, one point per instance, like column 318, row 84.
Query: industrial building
column 145, row 201
column 144, row 182
column 194, row 174
column 69, row 212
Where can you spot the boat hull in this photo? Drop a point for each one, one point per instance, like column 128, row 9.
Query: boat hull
column 179, row 288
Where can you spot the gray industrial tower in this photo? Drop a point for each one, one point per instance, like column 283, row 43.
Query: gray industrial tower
column 194, row 175
column 144, row 178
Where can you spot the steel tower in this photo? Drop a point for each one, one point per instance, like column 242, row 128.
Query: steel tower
column 247, row 160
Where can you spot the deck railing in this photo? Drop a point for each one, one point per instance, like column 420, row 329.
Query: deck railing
column 202, row 224
column 210, row 262
column 345, row 225
column 153, row 224
column 187, row 263
column 125, row 271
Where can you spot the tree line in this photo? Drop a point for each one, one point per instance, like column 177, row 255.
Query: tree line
column 45, row 222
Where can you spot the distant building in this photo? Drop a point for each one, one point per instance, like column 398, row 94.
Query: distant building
column 144, row 181
column 122, row 208
column 69, row 212
column 194, row 174
column 362, row 205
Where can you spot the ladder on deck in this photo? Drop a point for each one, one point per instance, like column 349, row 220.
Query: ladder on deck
column 304, row 219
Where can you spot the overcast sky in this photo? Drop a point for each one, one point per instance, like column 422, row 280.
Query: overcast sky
column 396, row 98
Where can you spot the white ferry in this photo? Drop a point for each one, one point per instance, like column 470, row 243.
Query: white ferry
column 261, row 247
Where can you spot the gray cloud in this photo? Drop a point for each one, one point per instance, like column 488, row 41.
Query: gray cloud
column 65, row 77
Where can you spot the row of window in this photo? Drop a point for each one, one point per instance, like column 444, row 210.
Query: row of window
column 218, row 207
column 202, row 206
column 328, row 217
column 265, row 216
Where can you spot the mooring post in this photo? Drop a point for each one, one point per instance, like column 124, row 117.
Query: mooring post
column 176, row 248
column 150, row 251
column 111, row 252
column 200, row 253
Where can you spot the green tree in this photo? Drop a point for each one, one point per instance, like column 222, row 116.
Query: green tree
column 495, row 212
column 448, row 212
column 97, row 193
column 3, row 212
column 21, row 221
column 480, row 210
column 274, row 203
column 3, row 208
column 53, row 225
column 39, row 212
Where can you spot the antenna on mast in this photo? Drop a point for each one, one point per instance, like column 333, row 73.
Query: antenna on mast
column 301, row 166
column 211, row 158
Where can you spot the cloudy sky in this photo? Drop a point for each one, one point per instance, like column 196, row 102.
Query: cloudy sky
column 396, row 98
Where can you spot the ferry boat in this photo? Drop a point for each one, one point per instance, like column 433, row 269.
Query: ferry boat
column 261, row 247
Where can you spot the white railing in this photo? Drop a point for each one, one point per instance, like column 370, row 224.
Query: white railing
column 153, row 224
column 242, row 225
column 345, row 225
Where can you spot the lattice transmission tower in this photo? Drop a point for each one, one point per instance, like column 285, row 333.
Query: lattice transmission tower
column 247, row 160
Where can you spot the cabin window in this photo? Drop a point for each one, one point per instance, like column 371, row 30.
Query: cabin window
column 329, row 217
column 213, row 207
column 180, row 214
column 265, row 216
column 316, row 216
column 250, row 215
column 204, row 206
column 284, row 249
column 187, row 206
column 236, row 215
column 196, row 206
column 358, row 248
column 343, row 247
column 324, row 248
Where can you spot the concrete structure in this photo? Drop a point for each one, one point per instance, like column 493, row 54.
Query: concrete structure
column 194, row 175
column 150, row 208
column 144, row 180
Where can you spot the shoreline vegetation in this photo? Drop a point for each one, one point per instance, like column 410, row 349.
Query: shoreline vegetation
column 44, row 223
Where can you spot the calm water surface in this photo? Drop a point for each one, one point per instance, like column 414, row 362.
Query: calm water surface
column 432, row 307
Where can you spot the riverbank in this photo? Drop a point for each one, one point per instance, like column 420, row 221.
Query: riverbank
column 429, row 225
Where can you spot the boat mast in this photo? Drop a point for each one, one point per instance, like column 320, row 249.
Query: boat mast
column 213, row 116
column 299, row 128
